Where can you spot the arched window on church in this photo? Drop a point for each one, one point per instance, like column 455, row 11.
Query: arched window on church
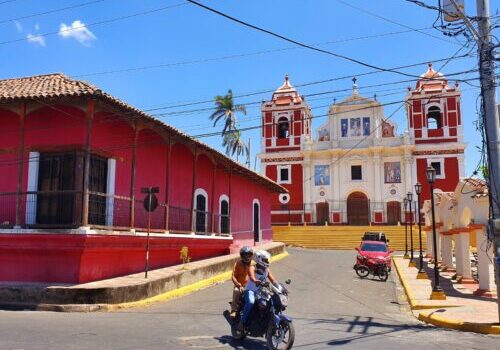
column 283, row 128
column 434, row 118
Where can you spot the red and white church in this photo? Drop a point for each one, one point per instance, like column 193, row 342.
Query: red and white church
column 356, row 168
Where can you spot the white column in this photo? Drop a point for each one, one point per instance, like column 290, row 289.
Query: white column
column 110, row 191
column 31, row 199
column 439, row 245
column 307, row 186
column 485, row 258
column 463, row 256
column 461, row 166
column 429, row 243
column 447, row 247
column 408, row 171
column 377, row 183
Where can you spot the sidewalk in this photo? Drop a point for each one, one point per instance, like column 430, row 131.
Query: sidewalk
column 125, row 291
column 461, row 310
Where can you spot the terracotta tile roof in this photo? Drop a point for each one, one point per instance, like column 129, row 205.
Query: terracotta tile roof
column 43, row 86
column 58, row 85
column 475, row 183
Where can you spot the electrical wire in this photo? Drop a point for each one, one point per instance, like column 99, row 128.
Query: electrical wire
column 298, row 43
column 106, row 21
column 229, row 57
column 51, row 11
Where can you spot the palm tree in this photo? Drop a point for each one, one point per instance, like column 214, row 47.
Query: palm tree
column 226, row 110
column 234, row 144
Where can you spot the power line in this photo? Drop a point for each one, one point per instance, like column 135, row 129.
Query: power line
column 394, row 22
column 51, row 11
column 311, row 94
column 118, row 116
column 260, row 29
column 228, row 57
column 260, row 92
column 107, row 21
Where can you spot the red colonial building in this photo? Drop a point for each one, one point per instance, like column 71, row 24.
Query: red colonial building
column 73, row 161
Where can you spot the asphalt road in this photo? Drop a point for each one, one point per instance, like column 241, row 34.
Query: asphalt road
column 330, row 306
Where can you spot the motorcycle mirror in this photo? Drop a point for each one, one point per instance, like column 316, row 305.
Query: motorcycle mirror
column 288, row 281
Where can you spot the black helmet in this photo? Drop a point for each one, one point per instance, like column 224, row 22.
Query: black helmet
column 246, row 253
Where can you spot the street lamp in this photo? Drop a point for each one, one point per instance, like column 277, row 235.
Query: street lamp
column 409, row 196
column 421, row 273
column 405, row 202
column 437, row 291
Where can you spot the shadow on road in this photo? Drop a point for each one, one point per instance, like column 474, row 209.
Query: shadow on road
column 247, row 343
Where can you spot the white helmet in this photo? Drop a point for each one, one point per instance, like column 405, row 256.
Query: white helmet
column 262, row 258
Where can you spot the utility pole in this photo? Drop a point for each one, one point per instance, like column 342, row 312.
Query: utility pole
column 490, row 119
column 492, row 126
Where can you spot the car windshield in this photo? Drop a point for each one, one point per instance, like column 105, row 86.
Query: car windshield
column 372, row 247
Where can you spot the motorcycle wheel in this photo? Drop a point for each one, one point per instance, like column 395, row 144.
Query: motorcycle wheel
column 362, row 271
column 383, row 275
column 284, row 334
column 237, row 334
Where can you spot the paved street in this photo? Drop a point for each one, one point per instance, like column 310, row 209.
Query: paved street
column 329, row 304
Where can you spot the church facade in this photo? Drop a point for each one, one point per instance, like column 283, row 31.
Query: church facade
column 356, row 168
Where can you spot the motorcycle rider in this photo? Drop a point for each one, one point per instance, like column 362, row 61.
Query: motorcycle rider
column 258, row 273
column 240, row 277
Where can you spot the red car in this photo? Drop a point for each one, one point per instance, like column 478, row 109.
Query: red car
column 374, row 250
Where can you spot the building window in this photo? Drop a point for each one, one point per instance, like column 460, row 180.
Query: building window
column 434, row 118
column 437, row 167
column 224, row 214
column 437, row 164
column 356, row 173
column 256, row 220
column 56, row 181
column 283, row 128
column 200, row 210
column 284, row 174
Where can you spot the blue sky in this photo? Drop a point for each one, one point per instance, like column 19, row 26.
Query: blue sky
column 185, row 33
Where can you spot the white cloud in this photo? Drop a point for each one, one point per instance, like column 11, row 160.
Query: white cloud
column 33, row 38
column 78, row 31
column 37, row 27
column 19, row 26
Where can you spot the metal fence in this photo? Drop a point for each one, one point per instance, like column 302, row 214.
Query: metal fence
column 63, row 209
column 354, row 212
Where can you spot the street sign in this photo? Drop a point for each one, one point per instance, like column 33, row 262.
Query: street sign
column 150, row 201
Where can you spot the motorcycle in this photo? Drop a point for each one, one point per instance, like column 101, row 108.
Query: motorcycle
column 376, row 267
column 266, row 318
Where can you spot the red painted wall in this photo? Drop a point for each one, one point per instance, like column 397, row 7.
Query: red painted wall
column 447, row 184
column 295, row 189
column 86, row 258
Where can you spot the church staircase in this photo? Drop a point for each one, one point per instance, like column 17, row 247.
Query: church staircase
column 342, row 237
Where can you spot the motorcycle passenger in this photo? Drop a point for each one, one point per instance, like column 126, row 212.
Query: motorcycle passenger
column 240, row 277
column 257, row 274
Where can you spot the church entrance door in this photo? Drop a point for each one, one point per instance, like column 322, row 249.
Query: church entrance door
column 393, row 212
column 358, row 209
column 322, row 213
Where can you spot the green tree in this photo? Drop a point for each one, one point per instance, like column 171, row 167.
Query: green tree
column 225, row 112
column 233, row 143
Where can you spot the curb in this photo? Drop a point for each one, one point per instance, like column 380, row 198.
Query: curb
column 176, row 293
column 483, row 328
column 414, row 305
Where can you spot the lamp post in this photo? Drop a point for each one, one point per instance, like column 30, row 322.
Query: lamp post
column 421, row 273
column 437, row 291
column 405, row 202
column 412, row 263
